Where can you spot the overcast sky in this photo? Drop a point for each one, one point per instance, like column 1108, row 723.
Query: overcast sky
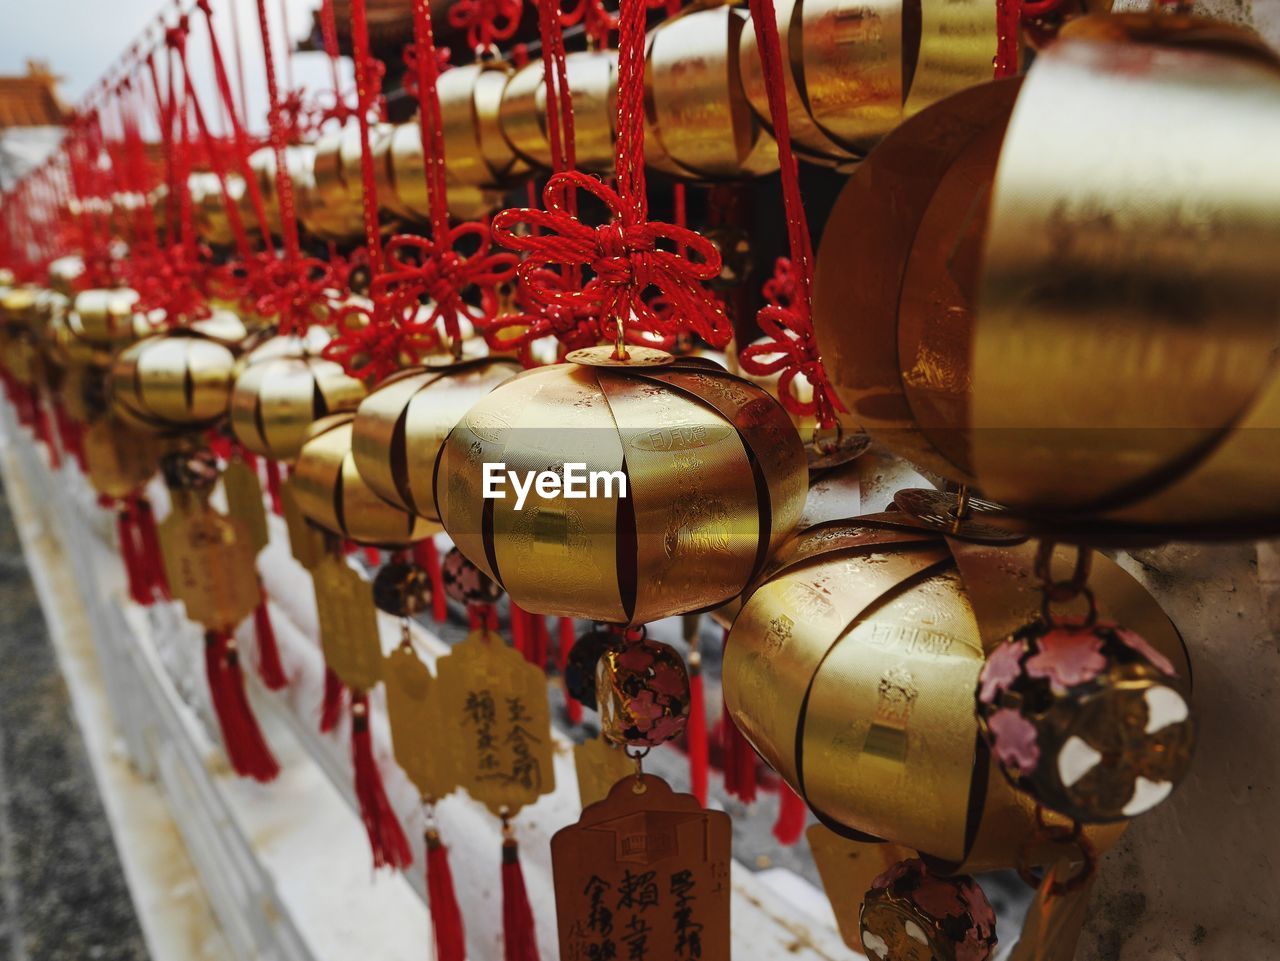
column 80, row 39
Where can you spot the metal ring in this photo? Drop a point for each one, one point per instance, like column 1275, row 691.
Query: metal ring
column 1059, row 834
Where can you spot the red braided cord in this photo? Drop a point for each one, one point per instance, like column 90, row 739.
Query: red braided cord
column 284, row 186
column 365, row 98
column 789, row 347
column 629, row 156
column 429, row 120
column 1008, row 15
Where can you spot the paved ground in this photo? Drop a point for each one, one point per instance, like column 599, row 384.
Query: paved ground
column 62, row 891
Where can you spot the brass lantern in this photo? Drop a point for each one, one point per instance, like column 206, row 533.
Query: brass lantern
column 106, row 318
column 593, row 87
column 698, row 121
column 400, row 157
column 279, row 394
column 177, row 381
column 330, row 491
column 714, row 479
column 470, row 99
column 400, row 427
column 320, row 194
column 852, row 670
column 999, row 315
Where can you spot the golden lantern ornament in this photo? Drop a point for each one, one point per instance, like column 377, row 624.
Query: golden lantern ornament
column 911, row 914
column 698, row 476
column 852, row 667
column 400, row 428
column 279, row 394
column 592, row 77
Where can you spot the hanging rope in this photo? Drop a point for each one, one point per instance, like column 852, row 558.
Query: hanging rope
column 789, row 347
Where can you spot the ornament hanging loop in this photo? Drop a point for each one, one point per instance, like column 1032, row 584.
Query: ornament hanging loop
column 637, row 756
column 1067, row 836
column 1064, row 591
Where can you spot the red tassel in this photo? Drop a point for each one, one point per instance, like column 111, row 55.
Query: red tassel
column 428, row 559
column 219, row 444
column 541, row 640
column 793, row 814
column 442, row 901
column 273, row 484
column 565, row 642
column 270, row 669
column 739, row 761
column 519, row 939
column 241, row 737
column 152, row 560
column 386, row 837
column 331, row 709
column 519, row 630
column 696, row 732
column 373, row 556
column 134, row 574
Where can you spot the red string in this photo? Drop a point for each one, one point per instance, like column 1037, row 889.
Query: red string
column 1009, row 14
column 789, row 346
column 365, row 98
column 486, row 21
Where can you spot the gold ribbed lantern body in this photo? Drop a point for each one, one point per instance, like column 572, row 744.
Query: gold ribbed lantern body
column 1057, row 335
column 715, row 479
column 172, row 383
column 470, row 101
column 209, row 208
column 401, row 157
column 698, row 121
column 852, row 670
column 401, row 427
column 276, row 399
column 1161, row 292
column 65, row 273
column 106, row 319
column 328, row 205
column 298, row 160
column 593, row 87
column 330, row 491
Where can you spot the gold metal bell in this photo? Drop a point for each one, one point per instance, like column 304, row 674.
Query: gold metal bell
column 106, row 318
column 400, row 427
column 990, row 308
column 330, row 492
column 911, row 914
column 642, row 688
column 401, row 157
column 276, row 398
column 714, row 471
column 851, row 669
column 177, row 381
column 593, row 87
column 470, row 100
column 323, row 203
column 697, row 120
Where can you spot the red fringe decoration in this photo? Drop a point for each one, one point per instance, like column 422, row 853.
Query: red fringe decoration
column 241, row 737
column 269, row 667
column 739, row 761
column 152, row 560
column 273, row 485
column 386, row 837
column 428, row 559
column 519, row 939
column 793, row 814
column 541, row 640
column 565, row 642
column 696, row 733
column 331, row 709
column 129, row 552
column 442, row 901
column 519, row 630
column 373, row 556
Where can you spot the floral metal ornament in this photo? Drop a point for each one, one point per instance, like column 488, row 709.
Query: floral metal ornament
column 643, row 692
column 911, row 914
column 1088, row 718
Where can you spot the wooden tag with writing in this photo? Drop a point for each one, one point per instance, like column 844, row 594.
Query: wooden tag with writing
column 209, row 563
column 422, row 743
column 847, row 869
column 494, row 703
column 243, row 490
column 118, row 460
column 600, row 765
column 644, row 876
column 348, row 622
column 306, row 542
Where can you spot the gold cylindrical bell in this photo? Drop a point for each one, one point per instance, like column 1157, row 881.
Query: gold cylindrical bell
column 698, row 122
column 209, row 208
column 852, row 670
column 65, row 274
column 714, row 480
column 330, row 491
column 333, row 206
column 298, row 161
column 470, row 99
column 276, row 398
column 982, row 307
column 402, row 159
column 174, row 382
column 400, row 427
column 593, row 86
column 106, row 319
